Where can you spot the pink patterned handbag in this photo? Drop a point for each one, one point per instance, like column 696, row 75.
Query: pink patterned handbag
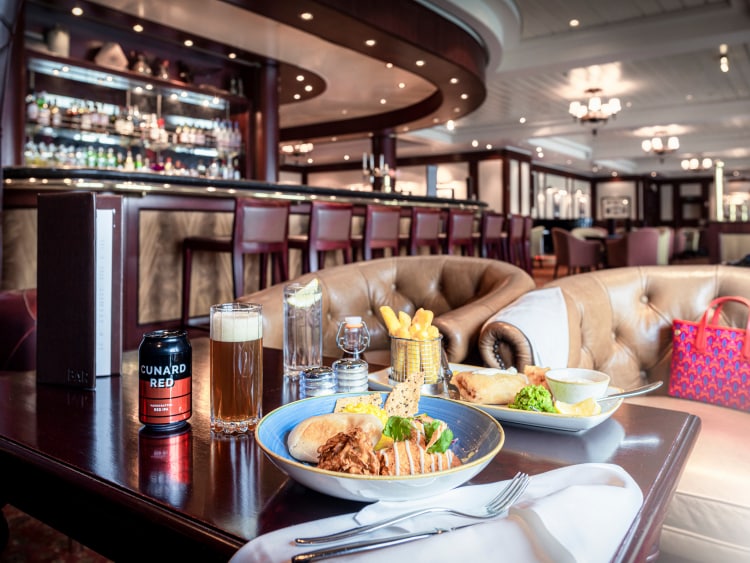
column 711, row 363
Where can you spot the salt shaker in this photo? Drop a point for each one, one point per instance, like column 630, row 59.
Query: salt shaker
column 351, row 371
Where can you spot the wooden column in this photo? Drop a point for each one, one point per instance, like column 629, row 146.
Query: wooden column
column 384, row 143
column 266, row 124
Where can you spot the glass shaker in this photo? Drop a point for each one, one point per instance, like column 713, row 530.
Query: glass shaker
column 352, row 371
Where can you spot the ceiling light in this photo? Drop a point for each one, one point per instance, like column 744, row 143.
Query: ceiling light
column 450, row 125
column 297, row 96
column 370, row 42
column 188, row 42
column 308, row 88
column 420, row 63
column 401, row 85
column 77, row 11
column 475, row 143
column 658, row 146
column 232, row 55
column 464, row 96
column 594, row 110
column 137, row 28
column 383, row 101
column 298, row 149
column 696, row 164
column 307, row 16
column 724, row 57
column 574, row 23
column 300, row 78
column 454, row 80
column 522, row 120
column 388, row 65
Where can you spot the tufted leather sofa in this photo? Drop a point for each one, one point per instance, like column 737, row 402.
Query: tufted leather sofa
column 18, row 330
column 619, row 321
column 463, row 292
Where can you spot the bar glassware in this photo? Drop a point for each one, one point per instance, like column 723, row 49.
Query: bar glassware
column 236, row 341
column 303, row 333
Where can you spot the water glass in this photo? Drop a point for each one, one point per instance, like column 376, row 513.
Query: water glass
column 303, row 327
column 236, row 352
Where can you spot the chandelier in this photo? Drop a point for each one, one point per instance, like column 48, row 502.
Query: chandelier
column 659, row 147
column 300, row 149
column 594, row 110
column 696, row 164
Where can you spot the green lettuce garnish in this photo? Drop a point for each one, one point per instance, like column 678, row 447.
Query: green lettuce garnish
column 444, row 440
column 398, row 428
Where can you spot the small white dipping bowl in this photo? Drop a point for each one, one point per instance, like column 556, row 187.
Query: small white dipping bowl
column 573, row 385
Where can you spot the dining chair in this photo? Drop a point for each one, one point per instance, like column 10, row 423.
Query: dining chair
column 260, row 227
column 329, row 229
column 459, row 232
column 575, row 254
column 380, row 232
column 516, row 241
column 636, row 248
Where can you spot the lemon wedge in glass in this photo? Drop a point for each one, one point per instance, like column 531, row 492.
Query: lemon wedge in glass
column 306, row 296
column 587, row 407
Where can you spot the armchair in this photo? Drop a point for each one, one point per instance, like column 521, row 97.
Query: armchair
column 636, row 248
column 462, row 291
column 575, row 254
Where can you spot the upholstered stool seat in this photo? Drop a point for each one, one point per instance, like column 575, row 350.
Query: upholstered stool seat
column 381, row 231
column 329, row 229
column 425, row 230
column 459, row 232
column 260, row 227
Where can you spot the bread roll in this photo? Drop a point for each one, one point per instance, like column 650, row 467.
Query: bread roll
column 489, row 387
column 305, row 438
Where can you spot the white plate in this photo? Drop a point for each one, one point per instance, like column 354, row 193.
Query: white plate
column 548, row 421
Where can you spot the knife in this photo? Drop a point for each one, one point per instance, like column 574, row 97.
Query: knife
column 369, row 545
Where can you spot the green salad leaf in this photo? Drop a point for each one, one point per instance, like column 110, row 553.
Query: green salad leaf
column 444, row 440
column 533, row 398
column 398, row 428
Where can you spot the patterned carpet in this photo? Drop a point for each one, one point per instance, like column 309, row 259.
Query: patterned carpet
column 30, row 541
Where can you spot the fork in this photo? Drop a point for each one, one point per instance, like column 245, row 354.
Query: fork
column 491, row 509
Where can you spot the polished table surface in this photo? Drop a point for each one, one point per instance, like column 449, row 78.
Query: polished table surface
column 79, row 461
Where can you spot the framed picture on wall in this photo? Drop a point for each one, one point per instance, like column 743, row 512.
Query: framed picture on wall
column 615, row 207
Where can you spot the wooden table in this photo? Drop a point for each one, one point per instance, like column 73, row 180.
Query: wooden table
column 78, row 461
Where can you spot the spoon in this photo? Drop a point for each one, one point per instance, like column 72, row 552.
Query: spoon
column 633, row 392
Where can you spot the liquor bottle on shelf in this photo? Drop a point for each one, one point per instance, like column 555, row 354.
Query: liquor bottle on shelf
column 32, row 109
column 55, row 115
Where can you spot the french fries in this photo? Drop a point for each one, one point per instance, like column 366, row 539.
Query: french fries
column 418, row 346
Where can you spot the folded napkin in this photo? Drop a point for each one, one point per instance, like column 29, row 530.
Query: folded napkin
column 541, row 316
column 578, row 513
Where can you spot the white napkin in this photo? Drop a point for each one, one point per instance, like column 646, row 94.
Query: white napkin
column 578, row 513
column 541, row 316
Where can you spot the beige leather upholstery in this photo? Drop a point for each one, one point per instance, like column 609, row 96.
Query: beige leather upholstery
column 463, row 292
column 619, row 322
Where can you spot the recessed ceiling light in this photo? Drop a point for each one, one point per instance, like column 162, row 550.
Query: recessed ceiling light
column 454, row 80
column 307, row 16
column 334, row 139
column 456, row 109
column 137, row 28
column 370, row 42
column 406, row 128
column 574, row 23
column 488, row 146
column 540, row 154
column 188, row 42
column 475, row 143
column 173, row 96
column 138, row 89
column 450, row 125
column 183, row 94
column 308, row 88
column 539, row 149
column 67, row 68
column 297, row 96
column 300, row 78
column 464, row 96
column 388, row 65
column 402, row 85
column 344, row 111
column 420, row 63
column 383, row 101
column 149, row 86
column 522, row 120
column 77, row 11
column 232, row 55
column 346, row 157
column 435, row 120
column 310, row 160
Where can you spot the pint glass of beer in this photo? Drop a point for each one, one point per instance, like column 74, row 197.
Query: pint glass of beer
column 236, row 367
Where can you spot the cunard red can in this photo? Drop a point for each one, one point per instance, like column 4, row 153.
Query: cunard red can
column 165, row 379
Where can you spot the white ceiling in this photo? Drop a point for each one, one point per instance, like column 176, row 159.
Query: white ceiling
column 660, row 57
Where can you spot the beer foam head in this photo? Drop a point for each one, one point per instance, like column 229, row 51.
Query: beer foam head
column 236, row 325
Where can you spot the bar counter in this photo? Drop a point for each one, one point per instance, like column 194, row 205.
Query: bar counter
column 159, row 211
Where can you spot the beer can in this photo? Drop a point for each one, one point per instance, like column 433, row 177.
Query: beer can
column 165, row 384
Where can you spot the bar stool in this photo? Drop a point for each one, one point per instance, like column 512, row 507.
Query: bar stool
column 381, row 231
column 493, row 238
column 260, row 227
column 425, row 230
column 515, row 241
column 460, row 232
column 330, row 228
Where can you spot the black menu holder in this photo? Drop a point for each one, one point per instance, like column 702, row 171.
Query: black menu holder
column 79, row 288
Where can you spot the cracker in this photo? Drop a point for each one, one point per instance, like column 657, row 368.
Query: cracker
column 374, row 399
column 403, row 400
